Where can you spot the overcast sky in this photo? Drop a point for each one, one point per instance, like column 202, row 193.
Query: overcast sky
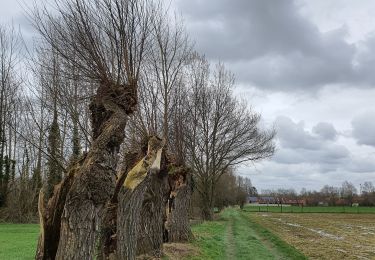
column 306, row 66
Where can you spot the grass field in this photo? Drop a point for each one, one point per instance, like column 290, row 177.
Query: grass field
column 297, row 209
column 324, row 236
column 18, row 241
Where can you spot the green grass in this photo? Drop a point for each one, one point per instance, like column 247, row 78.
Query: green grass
column 18, row 241
column 318, row 209
column 247, row 241
column 288, row 251
column 210, row 239
column 237, row 236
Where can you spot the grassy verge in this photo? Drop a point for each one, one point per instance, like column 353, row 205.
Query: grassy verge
column 210, row 239
column 18, row 241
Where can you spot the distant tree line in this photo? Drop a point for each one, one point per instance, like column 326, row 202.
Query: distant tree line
column 346, row 195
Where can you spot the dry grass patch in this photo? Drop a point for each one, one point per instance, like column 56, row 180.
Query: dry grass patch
column 180, row 250
column 324, row 236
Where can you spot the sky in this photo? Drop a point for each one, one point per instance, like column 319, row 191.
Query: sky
column 305, row 66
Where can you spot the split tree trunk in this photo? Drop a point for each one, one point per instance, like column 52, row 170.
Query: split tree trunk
column 177, row 224
column 131, row 197
column 108, row 234
column 153, row 215
column 50, row 217
column 94, row 180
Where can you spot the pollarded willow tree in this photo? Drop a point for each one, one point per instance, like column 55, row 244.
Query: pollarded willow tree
column 106, row 41
column 223, row 132
column 169, row 55
column 160, row 104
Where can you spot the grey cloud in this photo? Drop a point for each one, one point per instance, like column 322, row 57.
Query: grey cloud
column 298, row 145
column 325, row 130
column 364, row 128
column 293, row 135
column 249, row 28
column 328, row 154
column 361, row 165
column 269, row 44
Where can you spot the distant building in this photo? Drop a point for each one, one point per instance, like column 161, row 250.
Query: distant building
column 275, row 200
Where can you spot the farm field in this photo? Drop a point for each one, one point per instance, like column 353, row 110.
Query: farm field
column 319, row 209
column 324, row 236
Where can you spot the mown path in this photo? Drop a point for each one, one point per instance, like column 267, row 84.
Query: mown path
column 236, row 236
column 230, row 248
column 248, row 242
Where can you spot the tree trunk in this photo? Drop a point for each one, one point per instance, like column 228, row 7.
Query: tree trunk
column 128, row 218
column 50, row 217
column 131, row 197
column 151, row 226
column 177, row 225
column 94, row 180
column 207, row 213
column 108, row 243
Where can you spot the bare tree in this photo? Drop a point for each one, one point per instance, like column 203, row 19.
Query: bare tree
column 222, row 131
column 348, row 191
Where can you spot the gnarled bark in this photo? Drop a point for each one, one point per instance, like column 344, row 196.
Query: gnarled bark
column 131, row 197
column 76, row 209
column 151, row 226
column 108, row 237
column 50, row 216
column 177, row 224
column 94, row 183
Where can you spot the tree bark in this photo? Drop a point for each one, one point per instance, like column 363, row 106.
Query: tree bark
column 108, row 237
column 206, row 209
column 50, row 217
column 153, row 215
column 177, row 224
column 128, row 218
column 131, row 197
column 93, row 181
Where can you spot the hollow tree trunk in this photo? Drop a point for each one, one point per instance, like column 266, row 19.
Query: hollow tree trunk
column 177, row 224
column 50, row 217
column 131, row 197
column 151, row 226
column 94, row 180
column 108, row 237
